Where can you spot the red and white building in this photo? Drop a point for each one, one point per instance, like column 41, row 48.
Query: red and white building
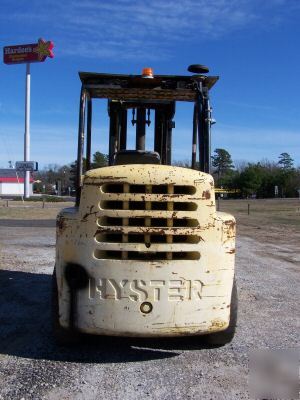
column 12, row 183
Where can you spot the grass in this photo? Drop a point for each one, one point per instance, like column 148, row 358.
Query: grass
column 31, row 210
column 46, row 198
column 273, row 211
column 270, row 221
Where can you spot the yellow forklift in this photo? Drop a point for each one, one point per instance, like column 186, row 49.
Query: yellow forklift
column 144, row 253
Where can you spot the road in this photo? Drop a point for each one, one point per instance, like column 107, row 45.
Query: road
column 32, row 366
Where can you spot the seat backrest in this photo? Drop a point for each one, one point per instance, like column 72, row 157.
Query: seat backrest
column 136, row 157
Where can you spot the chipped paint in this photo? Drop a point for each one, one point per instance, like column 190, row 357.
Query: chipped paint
column 61, row 224
column 206, row 194
column 188, row 294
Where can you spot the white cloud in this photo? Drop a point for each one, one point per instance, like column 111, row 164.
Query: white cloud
column 252, row 144
column 58, row 144
column 55, row 145
column 243, row 143
column 134, row 29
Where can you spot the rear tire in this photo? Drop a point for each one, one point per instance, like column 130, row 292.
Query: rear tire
column 63, row 336
column 226, row 336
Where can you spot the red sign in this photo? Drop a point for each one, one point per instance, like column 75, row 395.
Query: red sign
column 28, row 53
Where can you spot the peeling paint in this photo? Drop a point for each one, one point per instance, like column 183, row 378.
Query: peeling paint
column 206, row 194
column 180, row 306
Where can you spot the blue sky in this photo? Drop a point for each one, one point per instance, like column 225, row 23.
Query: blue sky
column 252, row 44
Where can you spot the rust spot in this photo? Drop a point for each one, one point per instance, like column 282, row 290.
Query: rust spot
column 171, row 196
column 217, row 324
column 61, row 224
column 103, row 179
column 229, row 229
column 92, row 184
column 85, row 217
column 210, row 205
column 230, row 223
column 113, row 178
column 232, row 251
column 206, row 194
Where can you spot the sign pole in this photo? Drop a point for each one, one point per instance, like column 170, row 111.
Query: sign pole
column 27, row 133
column 26, row 54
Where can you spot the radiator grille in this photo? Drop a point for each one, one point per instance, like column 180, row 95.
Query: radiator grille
column 147, row 222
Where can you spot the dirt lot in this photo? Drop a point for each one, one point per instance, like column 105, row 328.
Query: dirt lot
column 34, row 367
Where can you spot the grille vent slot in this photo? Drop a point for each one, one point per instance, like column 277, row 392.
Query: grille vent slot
column 146, row 256
column 176, row 210
column 138, row 238
column 155, row 222
column 155, row 205
column 155, row 189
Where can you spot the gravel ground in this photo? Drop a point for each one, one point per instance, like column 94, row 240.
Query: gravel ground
column 34, row 367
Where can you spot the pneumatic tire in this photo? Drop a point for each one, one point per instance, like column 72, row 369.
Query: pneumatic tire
column 62, row 336
column 226, row 336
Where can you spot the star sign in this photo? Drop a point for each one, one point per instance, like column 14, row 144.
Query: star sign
column 44, row 49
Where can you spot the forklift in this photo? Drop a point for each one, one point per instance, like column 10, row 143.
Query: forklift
column 144, row 253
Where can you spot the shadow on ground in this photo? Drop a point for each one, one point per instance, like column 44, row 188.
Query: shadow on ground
column 25, row 329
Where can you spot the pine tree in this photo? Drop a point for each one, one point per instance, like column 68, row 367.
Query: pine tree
column 99, row 160
column 286, row 161
column 222, row 161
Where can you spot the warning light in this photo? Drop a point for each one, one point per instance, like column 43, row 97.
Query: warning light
column 147, row 73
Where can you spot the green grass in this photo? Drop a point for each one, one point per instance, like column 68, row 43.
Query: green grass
column 31, row 210
column 46, row 198
column 273, row 212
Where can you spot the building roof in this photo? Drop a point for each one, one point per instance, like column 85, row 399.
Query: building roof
column 10, row 175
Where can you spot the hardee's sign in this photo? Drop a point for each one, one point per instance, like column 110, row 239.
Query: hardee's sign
column 28, row 53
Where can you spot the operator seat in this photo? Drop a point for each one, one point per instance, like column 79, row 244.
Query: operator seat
column 136, row 157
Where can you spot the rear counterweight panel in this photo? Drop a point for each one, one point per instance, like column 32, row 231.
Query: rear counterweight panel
column 150, row 272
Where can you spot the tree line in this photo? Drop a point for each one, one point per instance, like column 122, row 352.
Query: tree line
column 61, row 179
column 264, row 179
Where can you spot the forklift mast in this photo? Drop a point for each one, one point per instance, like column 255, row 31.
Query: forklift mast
column 118, row 113
column 142, row 94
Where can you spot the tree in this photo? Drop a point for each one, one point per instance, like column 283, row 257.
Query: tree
column 99, row 160
column 47, row 178
column 250, row 179
column 286, row 161
column 222, row 162
column 229, row 180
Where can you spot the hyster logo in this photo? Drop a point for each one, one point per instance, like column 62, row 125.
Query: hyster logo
column 140, row 290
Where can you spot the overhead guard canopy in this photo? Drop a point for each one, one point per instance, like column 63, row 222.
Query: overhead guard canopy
column 135, row 87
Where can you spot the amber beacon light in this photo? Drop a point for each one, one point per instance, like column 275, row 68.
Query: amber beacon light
column 147, row 73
